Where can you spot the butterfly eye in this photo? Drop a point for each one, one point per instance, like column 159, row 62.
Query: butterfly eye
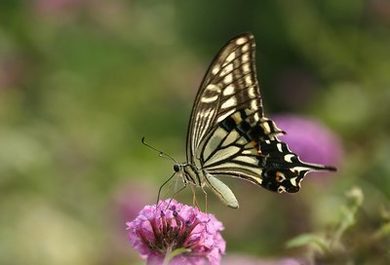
column 176, row 167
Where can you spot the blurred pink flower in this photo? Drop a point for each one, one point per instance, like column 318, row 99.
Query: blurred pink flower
column 380, row 9
column 131, row 198
column 160, row 229
column 310, row 140
column 49, row 6
column 126, row 202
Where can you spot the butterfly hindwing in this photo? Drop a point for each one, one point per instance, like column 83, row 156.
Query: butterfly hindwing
column 252, row 151
column 234, row 148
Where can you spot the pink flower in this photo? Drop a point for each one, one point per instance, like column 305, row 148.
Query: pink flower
column 310, row 140
column 171, row 228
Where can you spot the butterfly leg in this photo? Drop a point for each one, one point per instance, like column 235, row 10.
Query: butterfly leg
column 205, row 198
column 174, row 195
column 194, row 201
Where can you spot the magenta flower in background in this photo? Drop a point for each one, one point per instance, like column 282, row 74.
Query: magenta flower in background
column 126, row 202
column 310, row 140
column 49, row 6
column 178, row 233
column 130, row 198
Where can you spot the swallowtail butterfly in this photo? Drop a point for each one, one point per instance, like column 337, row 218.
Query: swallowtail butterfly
column 228, row 134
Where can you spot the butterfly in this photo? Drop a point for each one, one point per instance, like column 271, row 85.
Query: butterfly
column 228, row 134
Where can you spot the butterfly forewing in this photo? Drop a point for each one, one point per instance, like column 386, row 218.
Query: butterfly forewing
column 229, row 84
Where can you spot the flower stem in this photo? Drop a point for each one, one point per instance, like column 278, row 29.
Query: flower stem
column 171, row 254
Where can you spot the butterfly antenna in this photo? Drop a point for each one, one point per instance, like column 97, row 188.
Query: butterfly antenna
column 160, row 153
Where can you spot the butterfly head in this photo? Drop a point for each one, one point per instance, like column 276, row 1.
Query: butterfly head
column 188, row 172
column 177, row 167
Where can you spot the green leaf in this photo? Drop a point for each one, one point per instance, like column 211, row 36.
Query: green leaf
column 319, row 243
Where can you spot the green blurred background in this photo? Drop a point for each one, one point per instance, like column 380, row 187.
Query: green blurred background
column 81, row 82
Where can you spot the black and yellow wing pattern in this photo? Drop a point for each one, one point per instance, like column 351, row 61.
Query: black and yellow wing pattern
column 228, row 134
